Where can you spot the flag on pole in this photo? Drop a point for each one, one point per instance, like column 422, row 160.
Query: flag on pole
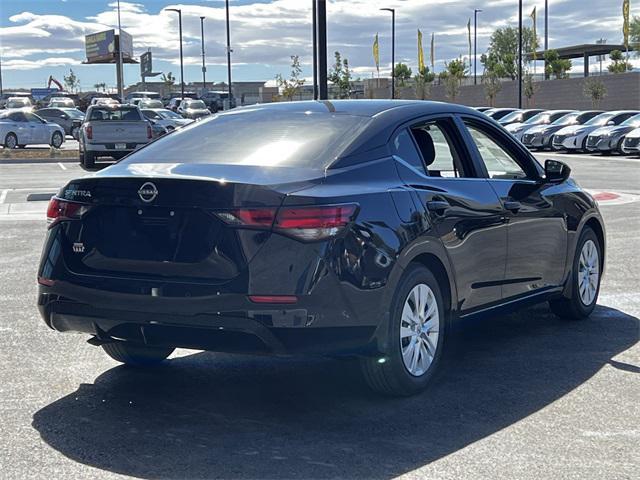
column 376, row 54
column 420, row 53
column 535, row 34
column 469, row 35
column 433, row 52
column 625, row 22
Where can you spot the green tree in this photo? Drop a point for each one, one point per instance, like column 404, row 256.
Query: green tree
column 595, row 90
column 291, row 87
column 71, row 81
column 618, row 63
column 402, row 72
column 503, row 47
column 492, row 76
column 340, row 75
column 634, row 34
column 555, row 65
column 423, row 80
column 452, row 77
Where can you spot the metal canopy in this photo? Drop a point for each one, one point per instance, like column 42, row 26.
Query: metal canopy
column 581, row 51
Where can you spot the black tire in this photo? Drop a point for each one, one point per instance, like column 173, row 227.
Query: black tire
column 574, row 308
column 11, row 140
column 22, row 146
column 387, row 374
column 74, row 132
column 89, row 160
column 136, row 355
column 56, row 140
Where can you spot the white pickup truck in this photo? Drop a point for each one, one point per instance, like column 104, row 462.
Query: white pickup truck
column 113, row 131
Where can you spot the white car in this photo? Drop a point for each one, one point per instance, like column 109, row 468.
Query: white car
column 61, row 102
column 104, row 101
column 631, row 142
column 19, row 128
column 19, row 103
column 165, row 118
column 542, row 118
column 574, row 137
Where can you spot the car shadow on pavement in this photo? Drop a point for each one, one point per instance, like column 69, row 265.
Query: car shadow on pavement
column 224, row 416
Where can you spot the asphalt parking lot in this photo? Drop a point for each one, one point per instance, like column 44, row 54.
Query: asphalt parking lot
column 525, row 395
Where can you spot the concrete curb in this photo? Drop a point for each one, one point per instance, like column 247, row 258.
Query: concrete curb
column 26, row 161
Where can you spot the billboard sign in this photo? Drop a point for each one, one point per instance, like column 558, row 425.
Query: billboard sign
column 100, row 46
column 145, row 64
column 126, row 42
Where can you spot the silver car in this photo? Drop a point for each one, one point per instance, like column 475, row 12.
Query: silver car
column 519, row 116
column 543, row 118
column 165, row 118
column 19, row 129
column 574, row 137
column 193, row 109
column 609, row 139
column 631, row 142
column 541, row 136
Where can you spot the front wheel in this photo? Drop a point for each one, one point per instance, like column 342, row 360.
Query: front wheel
column 11, row 141
column 56, row 140
column 416, row 337
column 136, row 355
column 585, row 278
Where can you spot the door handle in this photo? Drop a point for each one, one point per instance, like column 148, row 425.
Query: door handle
column 437, row 206
column 512, row 205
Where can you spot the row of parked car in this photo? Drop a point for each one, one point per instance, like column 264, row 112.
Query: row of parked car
column 572, row 130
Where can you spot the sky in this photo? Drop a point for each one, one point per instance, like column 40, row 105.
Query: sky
column 39, row 38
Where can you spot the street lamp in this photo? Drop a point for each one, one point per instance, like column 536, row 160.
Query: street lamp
column 204, row 68
column 520, row 54
column 393, row 49
column 181, row 60
column 229, row 57
column 475, row 44
column 119, row 69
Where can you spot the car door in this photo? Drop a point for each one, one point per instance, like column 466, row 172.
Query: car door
column 20, row 126
column 39, row 130
column 463, row 209
column 537, row 230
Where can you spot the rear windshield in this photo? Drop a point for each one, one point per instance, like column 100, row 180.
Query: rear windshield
column 116, row 114
column 151, row 104
column 18, row 102
column 257, row 137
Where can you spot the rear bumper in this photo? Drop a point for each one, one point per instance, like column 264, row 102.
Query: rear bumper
column 275, row 332
column 109, row 148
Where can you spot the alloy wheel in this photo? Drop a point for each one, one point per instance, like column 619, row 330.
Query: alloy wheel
column 419, row 326
column 11, row 141
column 588, row 272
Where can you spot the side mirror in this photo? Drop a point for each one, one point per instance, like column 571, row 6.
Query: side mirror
column 556, row 171
column 611, row 122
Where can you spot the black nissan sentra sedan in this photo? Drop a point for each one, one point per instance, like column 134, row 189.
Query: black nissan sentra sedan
column 361, row 228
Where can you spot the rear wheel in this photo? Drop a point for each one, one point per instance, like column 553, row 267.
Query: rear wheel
column 585, row 278
column 88, row 160
column 11, row 141
column 416, row 337
column 136, row 355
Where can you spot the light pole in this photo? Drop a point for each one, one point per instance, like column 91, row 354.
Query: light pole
column 119, row 68
column 181, row 59
column 204, row 68
column 314, row 24
column 546, row 34
column 475, row 44
column 520, row 54
column 393, row 50
column 229, row 57
column 321, row 37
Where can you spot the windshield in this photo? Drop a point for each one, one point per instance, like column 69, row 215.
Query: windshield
column 538, row 119
column 511, row 117
column 126, row 114
column 151, row 104
column 567, row 119
column 287, row 139
column 18, row 102
column 632, row 122
column 601, row 119
column 195, row 104
column 169, row 114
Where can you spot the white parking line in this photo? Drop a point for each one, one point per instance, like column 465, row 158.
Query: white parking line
column 61, row 165
column 3, row 195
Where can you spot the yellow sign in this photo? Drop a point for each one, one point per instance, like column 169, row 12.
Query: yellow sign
column 376, row 53
column 625, row 22
column 420, row 53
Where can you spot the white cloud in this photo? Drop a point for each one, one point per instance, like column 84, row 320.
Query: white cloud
column 19, row 64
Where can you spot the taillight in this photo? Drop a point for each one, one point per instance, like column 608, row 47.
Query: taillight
column 60, row 210
column 149, row 132
column 304, row 223
column 88, row 130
